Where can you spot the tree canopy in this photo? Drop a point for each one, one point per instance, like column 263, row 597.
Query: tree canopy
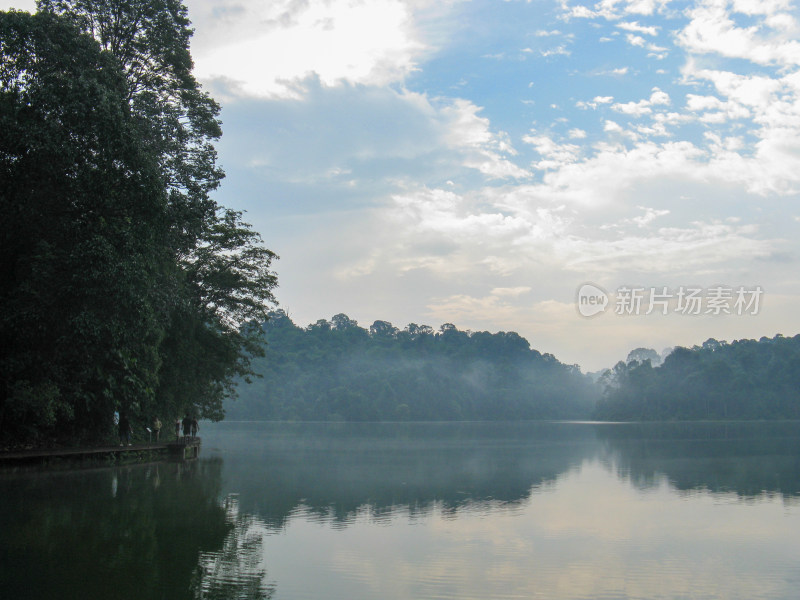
column 125, row 286
column 337, row 370
column 744, row 379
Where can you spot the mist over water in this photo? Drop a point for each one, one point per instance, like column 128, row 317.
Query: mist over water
column 421, row 510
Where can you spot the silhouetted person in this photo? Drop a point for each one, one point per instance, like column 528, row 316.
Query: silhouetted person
column 177, row 429
column 187, row 426
column 125, row 430
column 195, row 427
column 157, row 427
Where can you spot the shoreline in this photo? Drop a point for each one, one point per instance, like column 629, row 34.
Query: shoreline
column 109, row 454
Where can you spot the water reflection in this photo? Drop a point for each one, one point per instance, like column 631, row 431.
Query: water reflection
column 331, row 471
column 235, row 572
column 455, row 510
column 747, row 459
column 520, row 510
column 128, row 532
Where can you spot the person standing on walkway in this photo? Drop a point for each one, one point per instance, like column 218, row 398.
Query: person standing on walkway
column 177, row 429
column 125, row 429
column 195, row 427
column 156, row 427
column 187, row 426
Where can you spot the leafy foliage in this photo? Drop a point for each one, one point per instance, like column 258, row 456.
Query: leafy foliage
column 336, row 370
column 124, row 285
column 150, row 40
column 744, row 379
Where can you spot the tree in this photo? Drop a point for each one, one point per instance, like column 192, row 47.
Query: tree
column 643, row 354
column 383, row 329
column 83, row 255
column 150, row 39
column 342, row 322
column 223, row 281
column 128, row 286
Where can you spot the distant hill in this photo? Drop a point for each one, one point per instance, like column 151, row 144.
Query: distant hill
column 744, row 379
column 337, row 370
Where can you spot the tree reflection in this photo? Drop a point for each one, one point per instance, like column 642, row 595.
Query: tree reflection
column 746, row 458
column 129, row 532
column 235, row 572
column 334, row 471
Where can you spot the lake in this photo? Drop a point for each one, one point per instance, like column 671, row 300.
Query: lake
column 420, row 511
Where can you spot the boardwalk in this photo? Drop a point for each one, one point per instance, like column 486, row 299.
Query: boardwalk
column 180, row 449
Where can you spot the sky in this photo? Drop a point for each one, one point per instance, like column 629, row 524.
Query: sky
column 510, row 165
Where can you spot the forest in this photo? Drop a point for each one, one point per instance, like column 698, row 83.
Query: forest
column 743, row 379
column 126, row 288
column 337, row 370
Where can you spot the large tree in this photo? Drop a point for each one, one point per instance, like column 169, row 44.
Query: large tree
column 110, row 229
column 224, row 280
column 83, row 252
column 150, row 39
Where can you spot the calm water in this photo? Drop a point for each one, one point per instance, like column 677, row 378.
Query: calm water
column 398, row 511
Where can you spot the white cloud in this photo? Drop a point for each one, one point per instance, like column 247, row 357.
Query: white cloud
column 635, row 40
column 773, row 106
column 756, row 91
column 635, row 27
column 699, row 245
column 636, row 109
column 264, row 48
column 761, row 7
column 659, row 97
column 464, row 218
column 714, row 109
column 595, row 102
column 557, row 51
column 643, row 107
column 486, row 151
column 712, row 29
column 555, row 238
column 650, row 215
column 579, row 12
column 614, row 9
column 554, row 155
column 658, row 52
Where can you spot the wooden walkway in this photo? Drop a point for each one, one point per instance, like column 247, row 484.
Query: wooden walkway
column 181, row 449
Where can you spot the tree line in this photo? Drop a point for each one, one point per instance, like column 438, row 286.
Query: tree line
column 743, row 379
column 337, row 370
column 125, row 286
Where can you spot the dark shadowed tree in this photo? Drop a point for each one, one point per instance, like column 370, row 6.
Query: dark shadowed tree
column 84, row 231
column 128, row 286
column 224, row 279
column 150, row 39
